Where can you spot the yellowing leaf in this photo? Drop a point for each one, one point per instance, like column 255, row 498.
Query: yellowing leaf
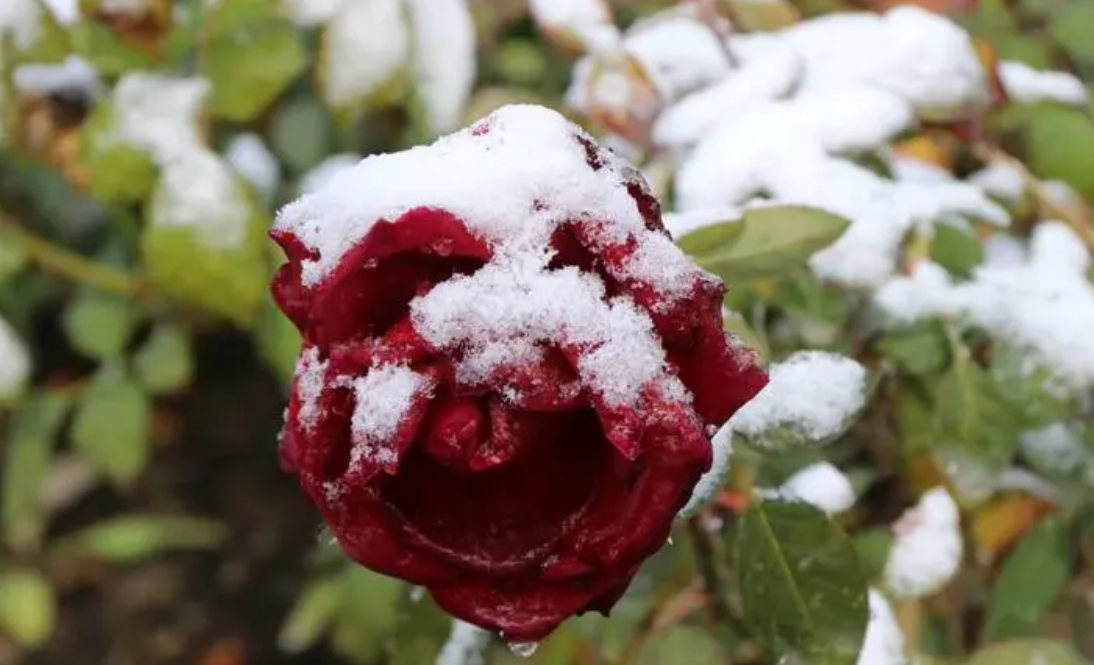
column 997, row 525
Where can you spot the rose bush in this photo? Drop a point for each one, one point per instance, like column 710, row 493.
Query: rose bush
column 510, row 374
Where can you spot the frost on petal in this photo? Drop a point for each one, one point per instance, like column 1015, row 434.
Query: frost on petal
column 1028, row 85
column 711, row 481
column 253, row 161
column 884, row 643
column 820, row 485
column 14, row 362
column 199, row 190
column 483, row 176
column 365, row 47
column 383, row 398
column 311, row 376
column 811, row 396
column 443, row 59
column 927, row 547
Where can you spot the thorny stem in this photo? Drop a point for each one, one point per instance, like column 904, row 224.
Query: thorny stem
column 68, row 264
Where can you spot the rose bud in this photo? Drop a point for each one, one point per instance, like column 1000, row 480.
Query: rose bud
column 509, row 373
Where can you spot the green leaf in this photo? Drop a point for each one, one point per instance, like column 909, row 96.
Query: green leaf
column 28, row 608
column 311, row 615
column 13, row 258
column 1028, row 652
column 772, row 241
column 164, row 364
column 1031, row 580
column 955, row 250
column 711, row 240
column 1070, row 25
column 368, row 613
column 97, row 324
column 134, row 538
column 971, row 414
column 1029, row 386
column 421, row 633
column 872, row 548
column 100, row 46
column 300, row 134
column 30, row 440
column 1061, row 146
column 117, row 172
column 251, row 58
column 682, row 644
column 801, row 586
column 111, row 427
column 185, row 252
column 919, row 350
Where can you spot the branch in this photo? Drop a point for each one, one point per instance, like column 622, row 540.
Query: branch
column 68, row 264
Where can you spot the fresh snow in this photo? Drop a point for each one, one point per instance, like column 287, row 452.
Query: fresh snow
column 711, row 481
column 884, row 642
column 1026, row 84
column 21, row 20
column 253, row 161
column 199, row 190
column 14, row 362
column 383, row 397
column 443, row 57
column 813, row 393
column 927, row 547
column 500, row 315
column 365, row 47
column 589, row 21
column 158, row 114
column 821, row 485
column 323, row 173
column 1043, row 304
column 74, row 74
column 311, row 377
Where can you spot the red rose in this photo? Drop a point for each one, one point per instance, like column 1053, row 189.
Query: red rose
column 509, row 373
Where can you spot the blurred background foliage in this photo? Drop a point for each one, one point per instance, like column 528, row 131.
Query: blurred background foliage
column 143, row 515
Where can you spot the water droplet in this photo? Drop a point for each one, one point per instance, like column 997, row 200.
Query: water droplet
column 417, row 593
column 670, row 540
column 523, row 649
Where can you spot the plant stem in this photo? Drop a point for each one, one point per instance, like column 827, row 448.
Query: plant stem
column 68, row 264
column 708, row 570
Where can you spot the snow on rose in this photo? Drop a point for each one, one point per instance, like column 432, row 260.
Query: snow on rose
column 510, row 373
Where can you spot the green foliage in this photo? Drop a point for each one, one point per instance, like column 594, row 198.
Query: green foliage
column 28, row 607
column 801, row 587
column 27, row 457
column 134, row 538
column 1031, row 581
column 111, row 425
column 764, row 242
